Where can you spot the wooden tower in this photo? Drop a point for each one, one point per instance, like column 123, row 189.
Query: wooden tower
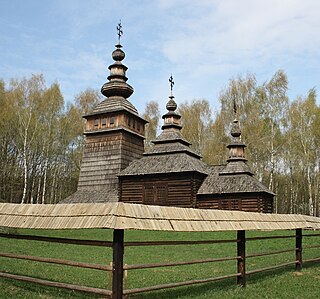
column 114, row 136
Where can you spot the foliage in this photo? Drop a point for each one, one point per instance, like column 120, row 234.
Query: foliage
column 151, row 115
column 40, row 140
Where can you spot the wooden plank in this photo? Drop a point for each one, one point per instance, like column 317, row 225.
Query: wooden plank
column 298, row 249
column 177, row 284
column 156, row 265
column 312, row 260
column 56, row 261
column 58, row 240
column 117, row 271
column 269, row 253
column 155, row 243
column 311, row 246
column 270, row 268
column 57, row 284
column 311, row 235
column 269, row 237
column 241, row 252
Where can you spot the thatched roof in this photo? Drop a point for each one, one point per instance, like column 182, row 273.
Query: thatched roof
column 217, row 182
column 165, row 164
column 144, row 217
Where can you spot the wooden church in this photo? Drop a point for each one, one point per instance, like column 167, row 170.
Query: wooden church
column 115, row 166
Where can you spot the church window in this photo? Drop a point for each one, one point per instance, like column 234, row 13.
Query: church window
column 112, row 120
column 104, row 121
column 96, row 122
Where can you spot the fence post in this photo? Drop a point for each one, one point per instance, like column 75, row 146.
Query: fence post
column 241, row 252
column 298, row 249
column 117, row 268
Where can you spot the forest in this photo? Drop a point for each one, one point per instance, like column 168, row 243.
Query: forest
column 41, row 137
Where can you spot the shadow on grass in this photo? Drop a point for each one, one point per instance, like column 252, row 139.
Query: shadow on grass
column 17, row 289
column 228, row 285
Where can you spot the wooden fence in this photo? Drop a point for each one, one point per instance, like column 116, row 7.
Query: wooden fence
column 117, row 268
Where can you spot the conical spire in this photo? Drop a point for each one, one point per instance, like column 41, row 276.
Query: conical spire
column 171, row 140
column 236, row 160
column 117, row 85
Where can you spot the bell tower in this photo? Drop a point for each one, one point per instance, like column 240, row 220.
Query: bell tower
column 114, row 136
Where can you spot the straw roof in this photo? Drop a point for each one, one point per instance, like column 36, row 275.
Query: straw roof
column 144, row 217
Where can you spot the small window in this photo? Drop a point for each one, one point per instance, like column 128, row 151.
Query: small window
column 104, row 121
column 112, row 120
column 129, row 121
column 134, row 124
column 96, row 122
column 138, row 126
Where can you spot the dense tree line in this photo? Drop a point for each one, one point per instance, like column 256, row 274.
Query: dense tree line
column 40, row 140
column 282, row 137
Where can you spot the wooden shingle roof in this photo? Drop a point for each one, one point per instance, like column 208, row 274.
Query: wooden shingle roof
column 219, row 183
column 112, row 105
column 165, row 164
column 92, row 196
column 144, row 217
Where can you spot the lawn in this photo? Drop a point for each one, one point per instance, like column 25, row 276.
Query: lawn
column 282, row 283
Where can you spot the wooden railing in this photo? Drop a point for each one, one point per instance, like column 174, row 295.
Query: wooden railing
column 117, row 268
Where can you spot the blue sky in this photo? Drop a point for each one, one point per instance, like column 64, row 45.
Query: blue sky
column 202, row 43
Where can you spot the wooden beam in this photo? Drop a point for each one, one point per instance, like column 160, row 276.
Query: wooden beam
column 58, row 240
column 270, row 268
column 117, row 267
column 156, row 243
column 56, row 261
column 298, row 249
column 172, row 264
column 56, row 284
column 178, row 284
column 241, row 252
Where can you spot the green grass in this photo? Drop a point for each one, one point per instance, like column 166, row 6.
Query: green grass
column 282, row 283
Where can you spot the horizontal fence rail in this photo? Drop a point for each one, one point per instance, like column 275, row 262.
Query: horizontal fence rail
column 49, row 283
column 56, row 261
column 156, row 265
column 118, row 268
column 58, row 240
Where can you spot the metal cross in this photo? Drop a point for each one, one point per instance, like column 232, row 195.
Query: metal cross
column 119, row 30
column 171, row 83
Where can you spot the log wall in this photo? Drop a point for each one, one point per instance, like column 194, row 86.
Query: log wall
column 170, row 190
column 253, row 202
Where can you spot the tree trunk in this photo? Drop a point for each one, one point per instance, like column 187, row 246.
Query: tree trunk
column 25, row 166
column 311, row 207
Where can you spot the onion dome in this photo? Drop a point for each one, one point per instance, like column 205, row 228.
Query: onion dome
column 117, row 85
